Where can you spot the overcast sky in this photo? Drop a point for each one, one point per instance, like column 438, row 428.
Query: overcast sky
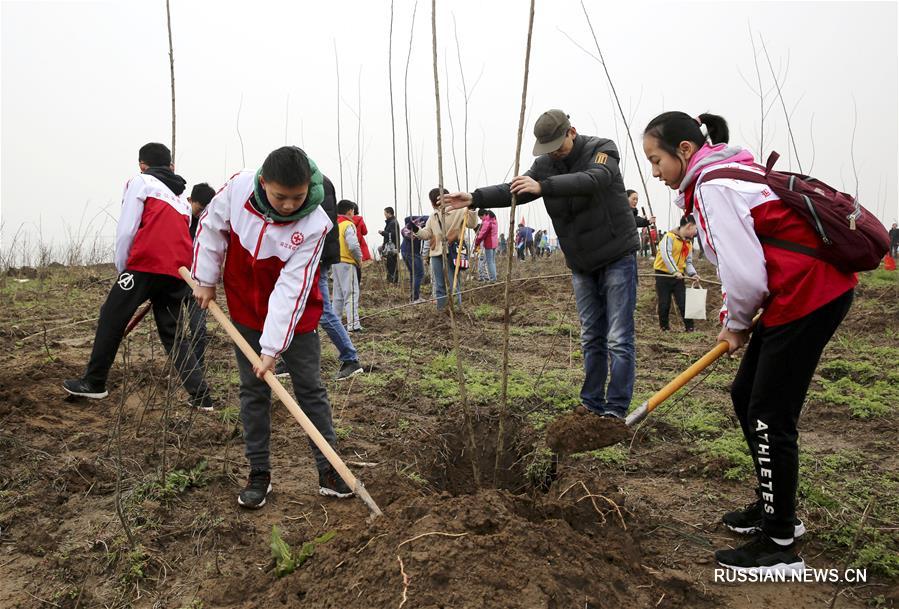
column 85, row 84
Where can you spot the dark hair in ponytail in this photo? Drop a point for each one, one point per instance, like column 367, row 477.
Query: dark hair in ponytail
column 672, row 128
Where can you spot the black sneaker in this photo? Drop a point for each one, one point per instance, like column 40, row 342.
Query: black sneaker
column 281, row 370
column 84, row 389
column 761, row 555
column 748, row 521
column 332, row 485
column 203, row 403
column 348, row 369
column 259, row 485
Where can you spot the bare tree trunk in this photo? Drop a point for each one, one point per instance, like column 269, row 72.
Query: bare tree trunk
column 359, row 139
column 409, row 148
column 243, row 159
column 168, row 18
column 782, row 103
column 621, row 111
column 463, row 394
column 466, row 97
column 504, row 392
column 449, row 110
column 286, row 117
column 392, row 118
column 339, row 153
column 762, row 113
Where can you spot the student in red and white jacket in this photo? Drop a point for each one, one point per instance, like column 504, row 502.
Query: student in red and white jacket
column 152, row 242
column 268, row 228
column 804, row 300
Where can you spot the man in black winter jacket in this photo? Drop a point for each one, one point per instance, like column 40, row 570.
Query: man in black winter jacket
column 583, row 191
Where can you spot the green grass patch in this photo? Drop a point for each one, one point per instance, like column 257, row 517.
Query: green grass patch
column 611, row 455
column 879, row 278
column 835, row 489
column 864, row 401
column 730, row 447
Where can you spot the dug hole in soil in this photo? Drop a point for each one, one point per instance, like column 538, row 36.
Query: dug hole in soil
column 464, row 546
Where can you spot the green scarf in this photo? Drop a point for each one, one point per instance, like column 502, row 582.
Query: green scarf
column 313, row 199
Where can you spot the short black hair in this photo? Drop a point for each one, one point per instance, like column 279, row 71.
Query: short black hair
column 482, row 212
column 389, row 210
column 345, row 205
column 155, row 154
column 687, row 219
column 629, row 192
column 288, row 166
column 434, row 195
column 202, row 193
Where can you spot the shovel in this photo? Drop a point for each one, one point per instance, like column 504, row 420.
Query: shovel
column 578, row 433
column 288, row 401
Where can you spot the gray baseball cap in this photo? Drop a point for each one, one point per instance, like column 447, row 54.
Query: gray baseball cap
column 550, row 130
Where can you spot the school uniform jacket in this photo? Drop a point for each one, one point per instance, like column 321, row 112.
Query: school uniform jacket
column 789, row 285
column 271, row 268
column 152, row 235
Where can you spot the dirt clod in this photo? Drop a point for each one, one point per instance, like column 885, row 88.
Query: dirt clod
column 576, row 433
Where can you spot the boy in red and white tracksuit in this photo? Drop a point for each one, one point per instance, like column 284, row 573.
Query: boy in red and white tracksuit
column 152, row 242
column 269, row 229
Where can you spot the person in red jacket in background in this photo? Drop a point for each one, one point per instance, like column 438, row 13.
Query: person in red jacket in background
column 804, row 300
column 152, row 242
column 272, row 227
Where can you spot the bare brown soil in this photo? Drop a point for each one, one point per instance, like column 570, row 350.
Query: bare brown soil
column 635, row 527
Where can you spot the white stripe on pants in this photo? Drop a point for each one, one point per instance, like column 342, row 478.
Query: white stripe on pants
column 346, row 293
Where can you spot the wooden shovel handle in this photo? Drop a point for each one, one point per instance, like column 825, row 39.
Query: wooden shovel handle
column 288, row 401
column 686, row 376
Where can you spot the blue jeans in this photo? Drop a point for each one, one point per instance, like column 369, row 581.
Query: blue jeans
column 330, row 322
column 490, row 255
column 417, row 275
column 605, row 305
column 439, row 286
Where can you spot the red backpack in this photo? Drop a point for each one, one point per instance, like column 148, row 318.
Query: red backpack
column 850, row 237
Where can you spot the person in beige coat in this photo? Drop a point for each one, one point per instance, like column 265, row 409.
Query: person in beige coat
column 450, row 226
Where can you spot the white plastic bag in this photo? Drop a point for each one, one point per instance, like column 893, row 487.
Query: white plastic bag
column 694, row 308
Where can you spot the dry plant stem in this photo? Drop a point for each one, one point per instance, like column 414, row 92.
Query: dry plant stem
column 460, row 376
column 168, row 19
column 782, row 103
column 441, row 533
column 405, row 581
column 623, row 117
column 858, row 531
column 339, row 153
column 504, row 392
column 118, row 438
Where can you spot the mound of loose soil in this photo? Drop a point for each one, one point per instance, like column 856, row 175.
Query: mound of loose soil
column 576, row 433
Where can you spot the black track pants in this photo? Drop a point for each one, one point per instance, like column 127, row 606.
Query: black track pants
column 168, row 294
column 768, row 394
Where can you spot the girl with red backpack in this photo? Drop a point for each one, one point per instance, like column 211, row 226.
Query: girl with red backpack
column 741, row 223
